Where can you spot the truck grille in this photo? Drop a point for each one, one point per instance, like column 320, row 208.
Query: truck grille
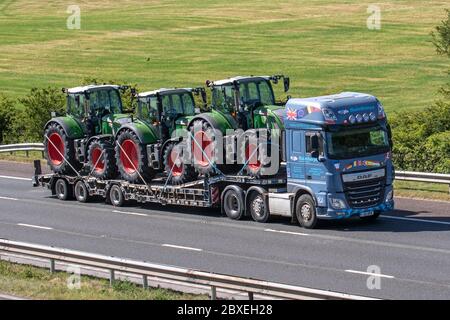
column 364, row 194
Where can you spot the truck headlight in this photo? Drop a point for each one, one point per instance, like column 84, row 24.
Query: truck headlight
column 389, row 196
column 337, row 203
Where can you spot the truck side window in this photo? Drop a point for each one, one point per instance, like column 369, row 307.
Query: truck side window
column 308, row 142
column 296, row 141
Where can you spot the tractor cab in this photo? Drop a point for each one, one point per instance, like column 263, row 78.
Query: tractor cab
column 169, row 109
column 246, row 101
column 97, row 107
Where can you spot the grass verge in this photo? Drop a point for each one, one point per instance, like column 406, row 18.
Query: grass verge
column 22, row 156
column 38, row 283
column 421, row 190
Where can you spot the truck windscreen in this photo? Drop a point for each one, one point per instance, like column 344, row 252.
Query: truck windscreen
column 354, row 143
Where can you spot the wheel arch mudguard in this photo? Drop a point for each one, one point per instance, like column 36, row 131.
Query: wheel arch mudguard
column 101, row 137
column 165, row 143
column 212, row 121
column 298, row 191
column 144, row 133
column 240, row 191
column 71, row 127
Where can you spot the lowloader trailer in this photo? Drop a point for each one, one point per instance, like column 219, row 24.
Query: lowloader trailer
column 338, row 165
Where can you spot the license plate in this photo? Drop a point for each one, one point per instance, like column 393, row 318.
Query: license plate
column 367, row 214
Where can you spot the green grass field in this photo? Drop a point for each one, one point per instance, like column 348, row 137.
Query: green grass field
column 325, row 46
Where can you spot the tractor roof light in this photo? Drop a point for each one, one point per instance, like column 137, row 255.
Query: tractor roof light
column 372, row 116
column 366, row 117
column 329, row 115
column 359, row 118
column 352, row 119
column 381, row 113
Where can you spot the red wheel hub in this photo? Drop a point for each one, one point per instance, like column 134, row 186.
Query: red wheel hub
column 251, row 155
column 129, row 156
column 174, row 159
column 202, row 147
column 98, row 160
column 55, row 149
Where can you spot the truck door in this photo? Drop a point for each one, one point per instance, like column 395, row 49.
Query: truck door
column 315, row 170
column 295, row 155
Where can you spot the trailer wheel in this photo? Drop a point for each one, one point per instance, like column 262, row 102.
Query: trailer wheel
column 305, row 211
column 258, row 207
column 81, row 192
column 63, row 190
column 116, row 196
column 233, row 204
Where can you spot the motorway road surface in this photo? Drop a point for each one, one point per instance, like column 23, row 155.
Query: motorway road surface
column 411, row 246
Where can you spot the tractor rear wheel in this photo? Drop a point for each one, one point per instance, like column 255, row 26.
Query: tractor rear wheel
column 59, row 150
column 204, row 147
column 178, row 171
column 101, row 159
column 132, row 160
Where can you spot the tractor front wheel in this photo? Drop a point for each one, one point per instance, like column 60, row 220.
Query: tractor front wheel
column 101, row 160
column 59, row 150
column 178, row 171
column 132, row 159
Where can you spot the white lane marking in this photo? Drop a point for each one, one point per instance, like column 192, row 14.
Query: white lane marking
column 15, row 178
column 416, row 220
column 131, row 213
column 287, row 232
column 371, row 274
column 34, row 226
column 181, row 247
column 8, row 198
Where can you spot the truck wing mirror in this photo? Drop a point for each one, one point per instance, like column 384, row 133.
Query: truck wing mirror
column 287, row 83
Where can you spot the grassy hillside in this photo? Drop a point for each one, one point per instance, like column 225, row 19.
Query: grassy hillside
column 324, row 46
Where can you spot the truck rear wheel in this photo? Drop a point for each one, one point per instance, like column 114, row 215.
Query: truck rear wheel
column 305, row 211
column 258, row 207
column 101, row 159
column 233, row 204
column 178, row 171
column 57, row 148
column 81, row 192
column 203, row 146
column 116, row 196
column 63, row 190
column 132, row 160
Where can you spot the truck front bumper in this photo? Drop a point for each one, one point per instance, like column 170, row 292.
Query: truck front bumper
column 333, row 214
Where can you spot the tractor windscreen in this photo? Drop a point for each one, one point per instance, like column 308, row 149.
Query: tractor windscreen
column 105, row 101
column 256, row 92
column 252, row 93
column 179, row 104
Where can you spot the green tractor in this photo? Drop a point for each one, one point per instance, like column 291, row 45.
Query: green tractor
column 151, row 144
column 84, row 137
column 246, row 103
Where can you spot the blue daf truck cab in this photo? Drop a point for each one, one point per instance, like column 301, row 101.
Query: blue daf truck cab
column 338, row 159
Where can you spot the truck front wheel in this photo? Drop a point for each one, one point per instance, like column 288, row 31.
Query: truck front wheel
column 305, row 211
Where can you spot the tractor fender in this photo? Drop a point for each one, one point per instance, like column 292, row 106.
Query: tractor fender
column 71, row 127
column 165, row 143
column 212, row 121
column 99, row 137
column 143, row 132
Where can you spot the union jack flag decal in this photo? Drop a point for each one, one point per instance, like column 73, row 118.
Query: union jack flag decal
column 291, row 114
